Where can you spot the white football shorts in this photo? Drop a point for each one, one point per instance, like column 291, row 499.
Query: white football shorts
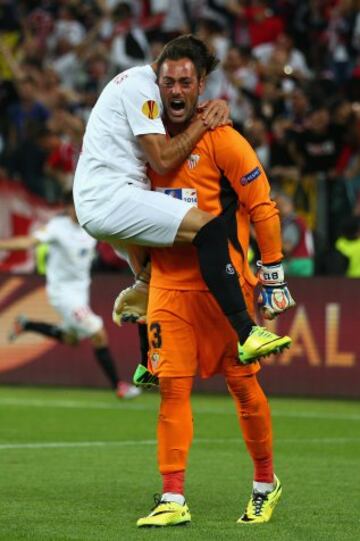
column 140, row 217
column 77, row 317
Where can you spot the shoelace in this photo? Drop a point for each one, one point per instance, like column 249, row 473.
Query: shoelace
column 258, row 501
column 262, row 331
column 157, row 500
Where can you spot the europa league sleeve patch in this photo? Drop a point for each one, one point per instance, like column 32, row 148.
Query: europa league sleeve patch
column 150, row 109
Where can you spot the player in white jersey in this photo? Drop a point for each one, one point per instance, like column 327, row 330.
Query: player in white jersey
column 111, row 187
column 112, row 192
column 71, row 251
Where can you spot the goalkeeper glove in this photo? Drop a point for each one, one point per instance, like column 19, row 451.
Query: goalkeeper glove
column 275, row 296
column 131, row 304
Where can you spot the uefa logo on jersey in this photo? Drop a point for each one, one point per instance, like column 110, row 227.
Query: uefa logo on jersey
column 150, row 109
column 193, row 160
column 254, row 174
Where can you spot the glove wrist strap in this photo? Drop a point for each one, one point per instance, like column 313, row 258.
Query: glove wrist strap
column 271, row 275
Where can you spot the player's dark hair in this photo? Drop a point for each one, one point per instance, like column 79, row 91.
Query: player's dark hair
column 188, row 46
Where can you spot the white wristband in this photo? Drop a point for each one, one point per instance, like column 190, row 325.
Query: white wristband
column 271, row 274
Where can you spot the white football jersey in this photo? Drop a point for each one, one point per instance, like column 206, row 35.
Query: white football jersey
column 111, row 157
column 71, row 251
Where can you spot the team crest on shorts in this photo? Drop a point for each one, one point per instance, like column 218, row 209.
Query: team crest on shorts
column 150, row 109
column 155, row 358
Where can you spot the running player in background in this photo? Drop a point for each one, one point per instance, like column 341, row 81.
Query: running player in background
column 70, row 255
column 224, row 177
column 112, row 191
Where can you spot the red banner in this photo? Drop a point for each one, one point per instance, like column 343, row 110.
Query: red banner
column 323, row 361
column 20, row 214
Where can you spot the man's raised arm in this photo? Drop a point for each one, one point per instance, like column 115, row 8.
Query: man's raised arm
column 165, row 154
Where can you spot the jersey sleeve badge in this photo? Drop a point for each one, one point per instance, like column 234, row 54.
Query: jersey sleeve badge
column 250, row 177
column 150, row 109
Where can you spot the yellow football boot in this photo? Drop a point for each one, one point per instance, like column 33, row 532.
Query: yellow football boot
column 166, row 514
column 261, row 343
column 261, row 506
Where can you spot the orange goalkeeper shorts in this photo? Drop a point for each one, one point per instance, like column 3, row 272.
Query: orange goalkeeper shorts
column 189, row 334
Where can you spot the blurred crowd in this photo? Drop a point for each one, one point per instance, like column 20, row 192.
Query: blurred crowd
column 290, row 71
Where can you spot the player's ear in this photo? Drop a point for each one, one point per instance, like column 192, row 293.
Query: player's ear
column 201, row 86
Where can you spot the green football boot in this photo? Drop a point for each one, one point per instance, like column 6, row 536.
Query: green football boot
column 144, row 378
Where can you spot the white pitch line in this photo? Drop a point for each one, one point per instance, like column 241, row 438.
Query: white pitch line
column 123, row 406
column 135, row 443
column 71, row 444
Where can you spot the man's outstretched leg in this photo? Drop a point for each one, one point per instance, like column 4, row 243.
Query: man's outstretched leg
column 99, row 341
column 255, row 421
column 175, row 431
column 210, row 237
column 22, row 324
column 222, row 280
column 106, row 362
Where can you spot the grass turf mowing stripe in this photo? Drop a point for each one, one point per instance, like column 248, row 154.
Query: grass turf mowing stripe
column 60, row 444
column 120, row 406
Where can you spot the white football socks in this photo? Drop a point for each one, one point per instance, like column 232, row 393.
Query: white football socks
column 173, row 497
column 263, row 488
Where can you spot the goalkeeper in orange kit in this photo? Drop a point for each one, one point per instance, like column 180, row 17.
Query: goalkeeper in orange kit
column 188, row 332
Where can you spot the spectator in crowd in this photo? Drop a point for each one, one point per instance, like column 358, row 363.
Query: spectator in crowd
column 347, row 118
column 212, row 32
column 283, row 57
column 348, row 244
column 130, row 46
column 256, row 133
column 26, row 113
column 67, row 28
column 235, row 81
column 97, row 74
column 270, row 100
column 316, row 150
column 338, row 38
column 297, row 239
column 283, row 171
column 60, row 160
column 255, row 23
column 297, row 107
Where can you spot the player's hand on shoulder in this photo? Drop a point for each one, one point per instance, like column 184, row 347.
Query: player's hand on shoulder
column 215, row 113
column 275, row 296
column 131, row 304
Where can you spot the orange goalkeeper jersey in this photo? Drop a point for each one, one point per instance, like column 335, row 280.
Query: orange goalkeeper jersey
column 222, row 176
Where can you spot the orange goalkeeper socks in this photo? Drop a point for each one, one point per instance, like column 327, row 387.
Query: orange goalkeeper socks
column 175, row 431
column 255, row 422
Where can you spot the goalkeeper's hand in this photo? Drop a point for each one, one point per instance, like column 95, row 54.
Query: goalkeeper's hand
column 131, row 304
column 274, row 297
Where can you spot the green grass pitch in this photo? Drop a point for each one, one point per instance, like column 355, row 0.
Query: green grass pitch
column 81, row 465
